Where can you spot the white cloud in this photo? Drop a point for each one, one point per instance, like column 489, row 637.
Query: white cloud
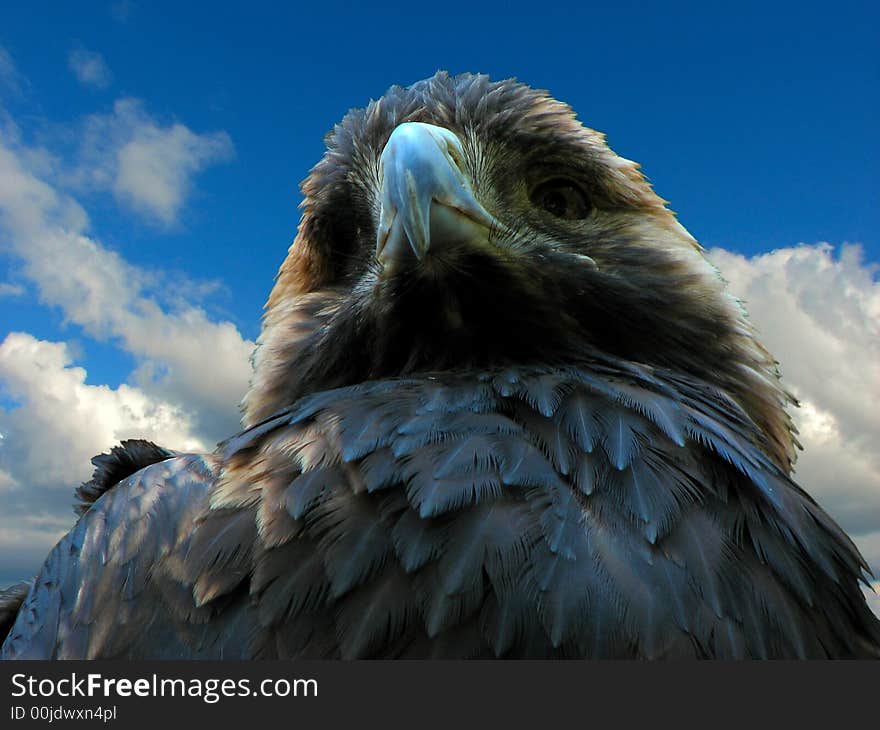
column 147, row 165
column 8, row 289
column 155, row 167
column 60, row 421
column 820, row 317
column 89, row 68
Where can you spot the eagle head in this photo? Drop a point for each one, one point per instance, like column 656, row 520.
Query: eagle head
column 463, row 224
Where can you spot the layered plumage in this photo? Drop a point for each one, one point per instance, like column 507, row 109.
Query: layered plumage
column 557, row 439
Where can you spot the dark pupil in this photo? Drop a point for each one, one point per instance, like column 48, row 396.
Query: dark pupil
column 555, row 202
column 561, row 199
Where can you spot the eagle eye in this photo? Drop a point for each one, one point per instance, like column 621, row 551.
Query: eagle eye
column 561, row 198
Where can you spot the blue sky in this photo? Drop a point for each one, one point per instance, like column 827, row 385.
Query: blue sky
column 757, row 121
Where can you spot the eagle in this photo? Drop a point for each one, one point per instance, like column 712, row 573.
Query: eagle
column 502, row 407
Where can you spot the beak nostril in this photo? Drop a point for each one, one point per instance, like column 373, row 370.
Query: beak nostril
column 455, row 155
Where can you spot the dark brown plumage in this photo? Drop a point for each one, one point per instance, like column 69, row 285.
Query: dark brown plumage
column 124, row 460
column 502, row 406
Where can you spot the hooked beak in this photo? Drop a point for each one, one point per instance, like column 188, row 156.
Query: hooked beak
column 427, row 200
